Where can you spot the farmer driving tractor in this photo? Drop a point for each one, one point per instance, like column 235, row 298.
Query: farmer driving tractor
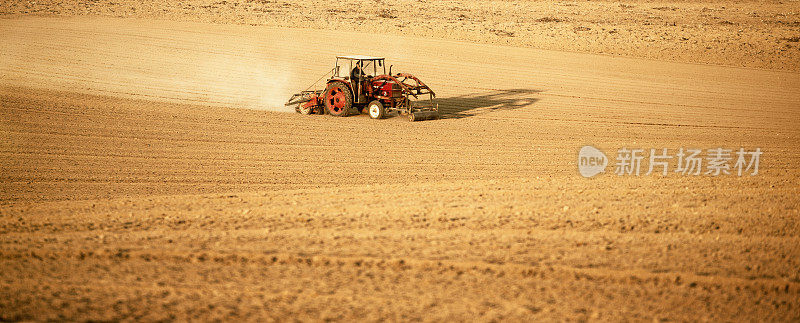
column 379, row 95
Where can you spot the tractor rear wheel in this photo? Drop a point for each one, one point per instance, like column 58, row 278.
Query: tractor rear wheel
column 338, row 99
column 376, row 110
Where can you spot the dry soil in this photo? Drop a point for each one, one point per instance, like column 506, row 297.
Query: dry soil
column 148, row 172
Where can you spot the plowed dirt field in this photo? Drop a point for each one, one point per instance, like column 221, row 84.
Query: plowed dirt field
column 150, row 171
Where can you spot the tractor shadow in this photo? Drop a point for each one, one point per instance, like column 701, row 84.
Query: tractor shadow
column 470, row 105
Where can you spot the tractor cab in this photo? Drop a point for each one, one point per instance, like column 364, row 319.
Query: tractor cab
column 356, row 66
column 357, row 70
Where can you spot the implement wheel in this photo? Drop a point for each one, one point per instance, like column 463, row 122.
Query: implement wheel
column 338, row 99
column 304, row 110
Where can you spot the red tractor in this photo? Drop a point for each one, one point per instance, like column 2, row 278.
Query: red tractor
column 356, row 86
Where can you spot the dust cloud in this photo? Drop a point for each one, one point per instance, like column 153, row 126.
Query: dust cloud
column 259, row 83
column 250, row 73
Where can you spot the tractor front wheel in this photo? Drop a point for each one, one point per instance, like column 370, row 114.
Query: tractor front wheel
column 338, row 99
column 376, row 110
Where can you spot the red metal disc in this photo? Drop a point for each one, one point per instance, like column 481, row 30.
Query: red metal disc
column 336, row 99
